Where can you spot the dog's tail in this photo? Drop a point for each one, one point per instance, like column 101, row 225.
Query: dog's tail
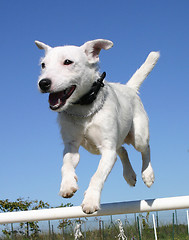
column 139, row 76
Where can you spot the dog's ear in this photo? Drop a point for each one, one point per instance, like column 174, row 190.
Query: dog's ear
column 41, row 45
column 93, row 48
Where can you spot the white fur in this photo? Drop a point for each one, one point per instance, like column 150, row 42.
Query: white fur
column 116, row 117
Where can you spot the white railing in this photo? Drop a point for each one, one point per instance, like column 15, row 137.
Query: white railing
column 159, row 204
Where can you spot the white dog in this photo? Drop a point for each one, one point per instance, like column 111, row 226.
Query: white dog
column 97, row 115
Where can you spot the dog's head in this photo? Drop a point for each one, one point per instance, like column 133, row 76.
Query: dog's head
column 68, row 72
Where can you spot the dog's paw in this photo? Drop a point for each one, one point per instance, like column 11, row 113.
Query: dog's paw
column 130, row 177
column 68, row 186
column 148, row 176
column 91, row 202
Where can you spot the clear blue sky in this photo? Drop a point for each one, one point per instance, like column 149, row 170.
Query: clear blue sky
column 31, row 147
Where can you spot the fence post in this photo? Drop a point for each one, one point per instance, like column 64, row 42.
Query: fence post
column 49, row 223
column 187, row 215
column 12, row 231
column 157, row 221
column 173, row 226
column 111, row 222
column 27, row 229
column 154, row 223
column 100, row 232
column 103, row 230
column 139, row 233
column 136, row 228
column 85, row 234
column 52, row 232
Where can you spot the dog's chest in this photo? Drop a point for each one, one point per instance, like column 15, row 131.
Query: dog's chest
column 91, row 139
column 89, row 145
column 84, row 131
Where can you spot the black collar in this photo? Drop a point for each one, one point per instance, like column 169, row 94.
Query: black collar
column 89, row 97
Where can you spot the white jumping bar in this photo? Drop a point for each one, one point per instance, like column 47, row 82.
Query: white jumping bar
column 159, row 204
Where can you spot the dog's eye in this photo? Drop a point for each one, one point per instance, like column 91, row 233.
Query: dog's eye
column 68, row 62
column 42, row 65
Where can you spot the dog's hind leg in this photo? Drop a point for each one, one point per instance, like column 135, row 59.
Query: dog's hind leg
column 140, row 133
column 128, row 172
column 147, row 170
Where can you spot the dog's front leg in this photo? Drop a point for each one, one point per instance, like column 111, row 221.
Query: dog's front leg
column 69, row 178
column 91, row 202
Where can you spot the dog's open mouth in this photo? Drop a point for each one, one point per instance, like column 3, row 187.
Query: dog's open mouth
column 58, row 99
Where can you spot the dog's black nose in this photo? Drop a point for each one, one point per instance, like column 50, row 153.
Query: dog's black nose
column 45, row 84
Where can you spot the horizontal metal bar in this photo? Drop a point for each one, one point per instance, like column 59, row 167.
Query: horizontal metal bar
column 159, row 204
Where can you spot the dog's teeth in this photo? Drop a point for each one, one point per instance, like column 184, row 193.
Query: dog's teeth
column 58, row 104
column 59, row 101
